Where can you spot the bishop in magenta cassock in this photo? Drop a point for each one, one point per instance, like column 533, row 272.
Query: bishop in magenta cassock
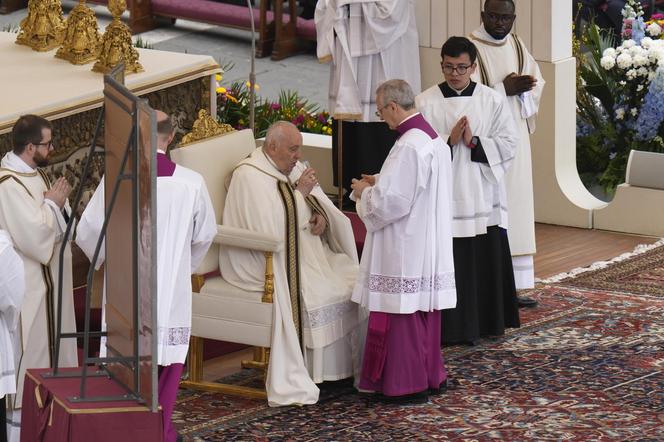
column 407, row 268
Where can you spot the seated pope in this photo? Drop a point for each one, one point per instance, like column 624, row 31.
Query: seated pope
column 314, row 321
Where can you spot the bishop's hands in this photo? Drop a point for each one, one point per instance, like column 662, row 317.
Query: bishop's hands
column 358, row 186
column 59, row 192
column 461, row 131
column 518, row 84
column 307, row 181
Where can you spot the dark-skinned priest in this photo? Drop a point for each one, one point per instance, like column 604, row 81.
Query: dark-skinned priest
column 477, row 123
column 407, row 269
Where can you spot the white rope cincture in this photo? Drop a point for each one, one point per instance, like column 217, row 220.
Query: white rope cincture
column 638, row 250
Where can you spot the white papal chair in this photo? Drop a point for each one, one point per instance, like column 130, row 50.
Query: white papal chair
column 220, row 310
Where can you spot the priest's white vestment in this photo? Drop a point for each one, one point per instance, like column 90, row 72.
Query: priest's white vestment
column 368, row 42
column 496, row 60
column 407, row 265
column 185, row 228
column 262, row 199
column 479, row 187
column 12, row 288
column 36, row 226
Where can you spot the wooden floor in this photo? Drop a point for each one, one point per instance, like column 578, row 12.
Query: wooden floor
column 559, row 249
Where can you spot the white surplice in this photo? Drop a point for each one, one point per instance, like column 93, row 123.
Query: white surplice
column 500, row 58
column 36, row 226
column 479, row 188
column 186, row 227
column 327, row 268
column 368, row 42
column 407, row 264
column 12, row 289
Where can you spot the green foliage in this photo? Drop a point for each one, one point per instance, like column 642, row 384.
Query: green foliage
column 233, row 109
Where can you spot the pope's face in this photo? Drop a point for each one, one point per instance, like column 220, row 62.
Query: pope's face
column 287, row 153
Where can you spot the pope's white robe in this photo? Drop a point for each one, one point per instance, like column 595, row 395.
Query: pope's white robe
column 12, row 288
column 36, row 226
column 498, row 59
column 185, row 228
column 328, row 269
column 479, row 188
column 368, row 42
column 407, row 264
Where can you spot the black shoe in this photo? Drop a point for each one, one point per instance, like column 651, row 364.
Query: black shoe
column 408, row 399
column 522, row 301
column 442, row 389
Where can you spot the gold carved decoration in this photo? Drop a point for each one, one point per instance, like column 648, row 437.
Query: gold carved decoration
column 81, row 36
column 205, row 126
column 116, row 45
column 43, row 28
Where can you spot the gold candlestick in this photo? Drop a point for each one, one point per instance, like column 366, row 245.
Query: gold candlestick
column 43, row 28
column 81, row 37
column 116, row 45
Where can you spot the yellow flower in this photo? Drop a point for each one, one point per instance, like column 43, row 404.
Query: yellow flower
column 241, row 121
column 232, row 98
column 328, row 131
column 248, row 84
column 221, row 90
column 218, row 77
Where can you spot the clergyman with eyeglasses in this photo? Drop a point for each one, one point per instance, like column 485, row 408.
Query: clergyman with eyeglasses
column 33, row 212
column 479, row 128
column 505, row 65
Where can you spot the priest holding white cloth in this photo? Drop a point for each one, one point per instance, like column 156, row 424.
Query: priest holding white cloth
column 505, row 65
column 407, row 267
column 313, row 318
column 185, row 229
column 479, row 128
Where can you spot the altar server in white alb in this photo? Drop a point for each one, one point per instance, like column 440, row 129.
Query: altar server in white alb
column 314, row 320
column 407, row 268
column 33, row 212
column 478, row 126
column 505, row 65
column 367, row 42
column 12, row 288
column 185, row 229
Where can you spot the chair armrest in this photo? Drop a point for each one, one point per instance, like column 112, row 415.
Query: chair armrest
column 247, row 239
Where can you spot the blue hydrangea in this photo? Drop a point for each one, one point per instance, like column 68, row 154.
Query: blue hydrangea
column 638, row 30
column 583, row 129
column 652, row 111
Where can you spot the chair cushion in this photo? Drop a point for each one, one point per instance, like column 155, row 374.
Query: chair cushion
column 215, row 158
column 224, row 312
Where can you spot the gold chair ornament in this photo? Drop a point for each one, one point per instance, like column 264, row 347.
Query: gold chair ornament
column 205, row 126
column 43, row 28
column 81, row 37
column 116, row 44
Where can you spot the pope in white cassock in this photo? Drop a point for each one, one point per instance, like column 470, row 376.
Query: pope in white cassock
column 407, row 268
column 505, row 65
column 272, row 192
column 478, row 126
column 32, row 212
column 185, row 228
column 12, row 288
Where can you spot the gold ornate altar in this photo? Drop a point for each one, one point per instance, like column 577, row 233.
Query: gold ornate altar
column 71, row 97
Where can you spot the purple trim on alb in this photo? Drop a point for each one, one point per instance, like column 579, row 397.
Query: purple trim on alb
column 417, row 122
column 165, row 167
